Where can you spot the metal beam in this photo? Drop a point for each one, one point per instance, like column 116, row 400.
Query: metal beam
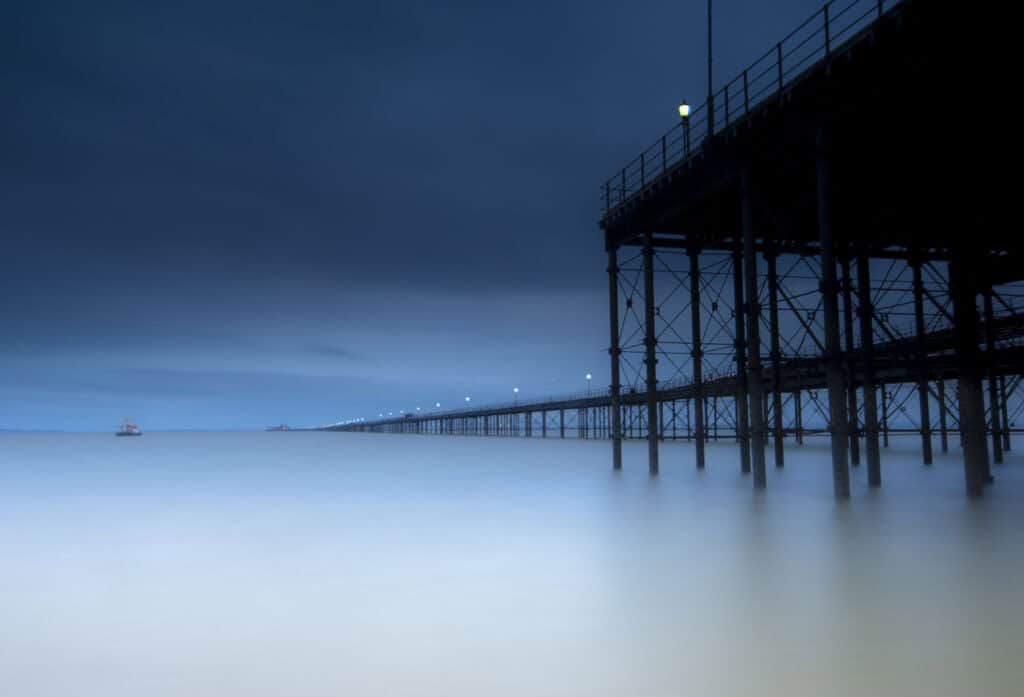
column 993, row 390
column 650, row 344
column 778, row 427
column 696, row 354
column 867, row 341
column 829, row 291
column 972, row 407
column 614, row 352
column 922, row 363
column 851, row 387
column 752, row 310
column 740, row 348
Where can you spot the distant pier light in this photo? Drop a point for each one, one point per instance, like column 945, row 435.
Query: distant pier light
column 515, row 392
column 588, row 374
column 437, row 405
column 467, row 399
column 684, row 110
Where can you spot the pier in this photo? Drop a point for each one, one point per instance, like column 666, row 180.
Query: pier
column 817, row 250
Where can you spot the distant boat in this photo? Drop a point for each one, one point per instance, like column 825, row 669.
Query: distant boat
column 282, row 427
column 129, row 429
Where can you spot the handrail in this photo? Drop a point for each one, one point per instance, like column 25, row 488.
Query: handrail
column 814, row 39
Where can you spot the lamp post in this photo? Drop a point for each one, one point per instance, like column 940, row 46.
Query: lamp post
column 588, row 383
column 515, row 399
column 711, row 90
column 437, row 405
column 684, row 115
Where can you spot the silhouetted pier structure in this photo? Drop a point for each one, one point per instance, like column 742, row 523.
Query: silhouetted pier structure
column 817, row 249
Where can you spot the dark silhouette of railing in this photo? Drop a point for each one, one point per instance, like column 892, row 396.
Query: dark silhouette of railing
column 815, row 39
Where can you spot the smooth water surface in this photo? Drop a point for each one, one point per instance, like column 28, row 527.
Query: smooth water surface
column 327, row 564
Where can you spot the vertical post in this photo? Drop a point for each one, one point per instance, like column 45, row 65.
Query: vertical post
column 1005, row 410
column 746, row 94
column 922, row 362
column 963, row 286
column 828, row 33
column 650, row 343
column 851, row 387
column 561, row 423
column 778, row 54
column 993, row 391
column 740, row 347
column 711, row 89
column 614, row 351
column 696, row 354
column 885, row 416
column 798, row 419
column 752, row 310
column 943, row 426
column 830, row 304
column 867, row 348
column 778, row 427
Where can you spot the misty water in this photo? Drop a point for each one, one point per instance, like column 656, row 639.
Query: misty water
column 325, row 564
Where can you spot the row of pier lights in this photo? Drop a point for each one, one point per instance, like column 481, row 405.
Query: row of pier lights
column 437, row 405
column 684, row 114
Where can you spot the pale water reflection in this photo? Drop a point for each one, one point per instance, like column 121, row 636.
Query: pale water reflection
column 316, row 564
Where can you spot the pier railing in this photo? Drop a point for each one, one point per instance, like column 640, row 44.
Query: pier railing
column 815, row 39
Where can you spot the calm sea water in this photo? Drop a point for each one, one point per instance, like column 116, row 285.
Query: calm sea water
column 322, row 564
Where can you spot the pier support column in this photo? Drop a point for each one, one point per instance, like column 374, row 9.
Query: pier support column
column 696, row 354
column 740, row 346
column 778, row 427
column 943, row 419
column 867, row 344
column 830, row 302
column 885, row 416
column 1006, row 417
column 922, row 362
column 561, row 423
column 798, row 418
column 963, row 286
column 993, row 390
column 650, row 343
column 614, row 351
column 752, row 309
column 851, row 377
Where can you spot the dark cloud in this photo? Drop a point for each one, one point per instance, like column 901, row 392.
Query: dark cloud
column 194, row 180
